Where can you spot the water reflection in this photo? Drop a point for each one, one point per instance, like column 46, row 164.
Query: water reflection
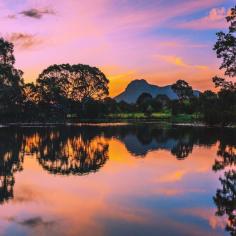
column 225, row 198
column 67, row 151
column 178, row 140
column 10, row 161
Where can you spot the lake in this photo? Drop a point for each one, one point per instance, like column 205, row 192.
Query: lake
column 117, row 179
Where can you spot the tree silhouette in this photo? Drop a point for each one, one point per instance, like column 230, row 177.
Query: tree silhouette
column 223, row 84
column 11, row 160
column 62, row 152
column 11, row 81
column 88, row 82
column 143, row 98
column 225, row 46
column 182, row 89
column 144, row 103
column 79, row 83
column 225, row 198
column 53, row 84
column 227, row 154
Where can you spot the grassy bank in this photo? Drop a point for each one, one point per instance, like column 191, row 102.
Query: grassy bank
column 158, row 116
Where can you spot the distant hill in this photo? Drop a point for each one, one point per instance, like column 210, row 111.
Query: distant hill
column 136, row 87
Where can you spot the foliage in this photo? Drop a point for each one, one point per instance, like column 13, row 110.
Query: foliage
column 182, row 89
column 225, row 46
column 60, row 83
column 11, row 81
column 223, row 108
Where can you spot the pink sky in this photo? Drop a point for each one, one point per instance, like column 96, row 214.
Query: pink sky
column 160, row 41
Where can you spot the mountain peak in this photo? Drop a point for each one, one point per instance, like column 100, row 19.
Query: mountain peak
column 137, row 82
column 136, row 87
column 141, row 81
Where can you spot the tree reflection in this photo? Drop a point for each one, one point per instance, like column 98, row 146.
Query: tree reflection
column 10, row 161
column 76, row 156
column 227, row 156
column 63, row 152
column 225, row 198
column 182, row 150
column 59, row 151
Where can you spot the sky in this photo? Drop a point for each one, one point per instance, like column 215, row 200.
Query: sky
column 157, row 40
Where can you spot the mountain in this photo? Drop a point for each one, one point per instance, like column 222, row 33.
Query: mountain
column 136, row 87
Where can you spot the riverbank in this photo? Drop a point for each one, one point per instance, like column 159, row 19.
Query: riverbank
column 191, row 120
column 103, row 123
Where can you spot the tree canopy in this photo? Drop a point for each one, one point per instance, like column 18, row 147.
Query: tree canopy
column 182, row 89
column 11, row 81
column 144, row 97
column 78, row 82
column 225, row 46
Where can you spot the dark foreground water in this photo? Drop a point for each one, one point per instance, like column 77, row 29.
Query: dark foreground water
column 117, row 180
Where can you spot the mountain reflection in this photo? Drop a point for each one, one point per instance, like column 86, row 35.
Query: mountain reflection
column 225, row 198
column 178, row 140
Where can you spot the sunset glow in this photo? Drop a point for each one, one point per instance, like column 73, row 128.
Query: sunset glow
column 160, row 41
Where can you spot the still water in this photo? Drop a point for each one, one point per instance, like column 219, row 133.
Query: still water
column 117, row 179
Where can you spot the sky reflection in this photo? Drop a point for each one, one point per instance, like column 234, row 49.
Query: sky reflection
column 130, row 193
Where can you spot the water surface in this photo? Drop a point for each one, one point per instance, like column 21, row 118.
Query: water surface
column 122, row 179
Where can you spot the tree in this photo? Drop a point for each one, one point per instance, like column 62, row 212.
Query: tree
column 143, row 98
column 30, row 93
column 163, row 99
column 123, row 106
column 93, row 109
column 110, row 105
column 225, row 46
column 144, row 103
column 88, row 83
column 225, row 110
column 6, row 53
column 209, row 104
column 223, row 84
column 182, row 89
column 60, row 83
column 31, row 101
column 53, row 84
column 11, row 81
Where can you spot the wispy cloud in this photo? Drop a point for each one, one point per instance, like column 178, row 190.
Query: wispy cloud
column 37, row 13
column 179, row 62
column 214, row 20
column 24, row 40
column 11, row 16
